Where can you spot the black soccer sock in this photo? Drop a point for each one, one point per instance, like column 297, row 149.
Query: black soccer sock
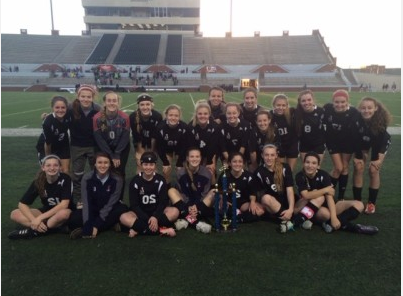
column 202, row 209
column 183, row 209
column 348, row 215
column 334, row 181
column 140, row 226
column 306, row 213
column 357, row 191
column 164, row 221
column 248, row 217
column 343, row 180
column 372, row 195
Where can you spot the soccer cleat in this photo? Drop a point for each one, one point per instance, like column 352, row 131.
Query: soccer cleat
column 307, row 225
column 76, row 233
column 203, row 227
column 165, row 231
column 370, row 208
column 26, row 233
column 327, row 227
column 365, row 229
column 181, row 224
column 286, row 226
column 117, row 227
column 79, row 205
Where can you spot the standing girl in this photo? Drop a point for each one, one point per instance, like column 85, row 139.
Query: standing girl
column 83, row 144
column 112, row 133
column 250, row 107
column 339, row 119
column 54, row 190
column 217, row 104
column 370, row 133
column 55, row 138
column 149, row 211
column 276, row 181
column 100, row 193
column 309, row 125
column 284, row 121
column 172, row 138
column 143, row 123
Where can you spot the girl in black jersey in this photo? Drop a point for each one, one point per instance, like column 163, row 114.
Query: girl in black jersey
column 112, row 133
column 264, row 133
column 276, row 183
column 55, row 138
column 54, row 191
column 250, row 107
column 205, row 135
column 172, row 140
column 149, row 211
column 100, row 192
column 234, row 132
column 192, row 194
column 245, row 185
column 339, row 118
column 143, row 123
column 370, row 134
column 217, row 104
column 81, row 113
column 316, row 201
column 309, row 125
column 283, row 120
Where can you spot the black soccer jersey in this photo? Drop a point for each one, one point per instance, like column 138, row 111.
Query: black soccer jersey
column 319, row 181
column 206, row 139
column 148, row 198
column 171, row 140
column 245, row 186
column 147, row 127
column 312, row 130
column 258, row 140
column 265, row 180
column 81, row 128
column 55, row 132
column 287, row 134
column 53, row 195
column 233, row 138
column 250, row 115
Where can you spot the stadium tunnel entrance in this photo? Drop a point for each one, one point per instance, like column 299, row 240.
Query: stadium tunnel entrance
column 248, row 82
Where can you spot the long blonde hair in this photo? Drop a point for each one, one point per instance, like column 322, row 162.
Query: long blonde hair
column 277, row 168
column 200, row 104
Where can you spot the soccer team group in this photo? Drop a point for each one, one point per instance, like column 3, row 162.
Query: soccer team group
column 234, row 160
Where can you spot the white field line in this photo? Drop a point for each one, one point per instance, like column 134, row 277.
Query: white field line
column 23, row 112
column 193, row 101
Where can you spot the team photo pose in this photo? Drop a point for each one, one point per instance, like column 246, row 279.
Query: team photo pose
column 205, row 135
column 82, row 112
column 245, row 189
column 143, row 123
column 263, row 133
column 275, row 181
column 339, row 119
column 112, row 133
column 54, row 189
column 100, row 193
column 149, row 211
column 217, row 103
column 370, row 134
column 172, row 139
column 316, row 200
column 309, row 125
column 250, row 107
column 54, row 138
column 234, row 132
column 284, row 121
column 192, row 194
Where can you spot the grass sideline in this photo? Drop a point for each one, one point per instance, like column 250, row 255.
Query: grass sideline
column 255, row 261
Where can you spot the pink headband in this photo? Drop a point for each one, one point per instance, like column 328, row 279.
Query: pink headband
column 91, row 88
column 341, row 93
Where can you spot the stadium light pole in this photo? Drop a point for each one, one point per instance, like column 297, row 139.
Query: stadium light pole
column 51, row 15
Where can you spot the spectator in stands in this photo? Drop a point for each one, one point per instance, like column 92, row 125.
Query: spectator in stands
column 250, row 107
column 143, row 124
column 205, row 135
column 263, row 133
column 81, row 113
column 309, row 125
column 101, row 190
column 217, row 103
column 54, row 138
column 370, row 132
column 284, row 121
column 54, row 190
column 150, row 212
column 171, row 139
column 234, row 132
column 112, row 133
column 339, row 119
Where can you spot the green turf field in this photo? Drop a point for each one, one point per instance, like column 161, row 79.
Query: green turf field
column 255, row 261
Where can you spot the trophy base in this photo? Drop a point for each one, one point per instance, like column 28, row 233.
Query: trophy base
column 228, row 230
